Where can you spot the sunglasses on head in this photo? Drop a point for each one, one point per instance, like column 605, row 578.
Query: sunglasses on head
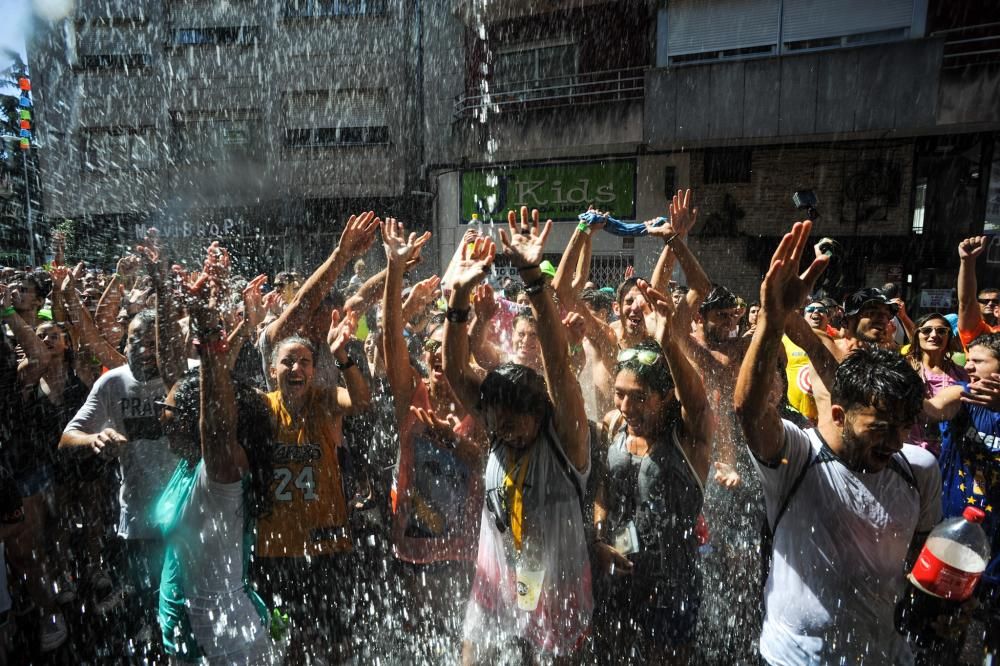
column 940, row 330
column 643, row 356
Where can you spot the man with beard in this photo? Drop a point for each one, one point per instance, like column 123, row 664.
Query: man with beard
column 853, row 501
column 119, row 420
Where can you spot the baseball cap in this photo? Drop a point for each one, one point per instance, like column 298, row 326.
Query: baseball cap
column 862, row 297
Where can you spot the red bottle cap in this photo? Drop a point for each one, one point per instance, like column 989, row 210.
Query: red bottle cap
column 974, row 514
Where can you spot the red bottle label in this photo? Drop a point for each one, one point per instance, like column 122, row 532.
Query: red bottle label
column 943, row 580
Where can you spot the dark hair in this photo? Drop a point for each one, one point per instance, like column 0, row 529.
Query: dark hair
column 39, row 281
column 69, row 357
column 719, row 298
column 878, row 378
column 517, row 388
column 597, row 300
column 656, row 377
column 291, row 340
column 623, row 289
column 989, row 340
column 914, row 355
column 253, row 433
column 988, row 290
column 524, row 314
column 891, row 290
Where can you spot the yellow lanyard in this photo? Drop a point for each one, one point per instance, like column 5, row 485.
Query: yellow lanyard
column 517, row 501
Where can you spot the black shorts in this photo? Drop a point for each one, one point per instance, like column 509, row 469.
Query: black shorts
column 316, row 593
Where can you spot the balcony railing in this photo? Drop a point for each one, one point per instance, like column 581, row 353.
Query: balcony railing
column 614, row 85
column 970, row 45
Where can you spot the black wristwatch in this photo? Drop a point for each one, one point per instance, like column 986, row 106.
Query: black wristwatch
column 349, row 363
column 457, row 315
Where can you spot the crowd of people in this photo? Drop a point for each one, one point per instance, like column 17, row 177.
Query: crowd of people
column 201, row 467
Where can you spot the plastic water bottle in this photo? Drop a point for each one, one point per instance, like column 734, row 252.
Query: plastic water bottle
column 944, row 576
column 954, row 557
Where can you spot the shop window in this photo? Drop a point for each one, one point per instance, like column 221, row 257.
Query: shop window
column 236, row 35
column 324, row 137
column 313, row 8
column 116, row 149
column 535, row 65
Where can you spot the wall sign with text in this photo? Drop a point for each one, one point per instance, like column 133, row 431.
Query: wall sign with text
column 558, row 191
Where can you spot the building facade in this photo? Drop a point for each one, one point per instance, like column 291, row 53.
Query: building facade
column 268, row 122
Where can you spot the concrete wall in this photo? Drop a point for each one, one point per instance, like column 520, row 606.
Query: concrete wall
column 889, row 87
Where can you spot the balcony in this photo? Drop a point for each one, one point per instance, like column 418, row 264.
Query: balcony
column 970, row 45
column 615, row 85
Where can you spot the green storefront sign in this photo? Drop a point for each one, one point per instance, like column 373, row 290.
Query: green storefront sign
column 558, row 191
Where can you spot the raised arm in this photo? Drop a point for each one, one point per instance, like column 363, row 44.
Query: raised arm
column 467, row 272
column 171, row 352
column 357, row 237
column 106, row 314
column 524, row 244
column 688, row 384
column 36, row 355
column 398, row 250
column 682, row 218
column 782, row 291
column 969, row 315
column 563, row 282
column 356, row 397
column 91, row 340
column 483, row 349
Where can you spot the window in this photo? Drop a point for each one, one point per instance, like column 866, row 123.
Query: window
column 237, row 35
column 307, row 8
column 530, row 65
column 124, row 61
column 321, row 137
column 215, row 139
column 728, row 165
column 115, row 149
column 104, row 44
column 323, row 118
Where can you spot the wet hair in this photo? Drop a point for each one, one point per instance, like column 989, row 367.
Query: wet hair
column 517, row 388
column 878, row 378
column 623, row 289
column 292, row 340
column 914, row 355
column 987, row 290
column 597, row 300
column 68, row 356
column 890, row 290
column 990, row 341
column 524, row 314
column 655, row 377
column 719, row 298
column 253, row 433
column 40, row 283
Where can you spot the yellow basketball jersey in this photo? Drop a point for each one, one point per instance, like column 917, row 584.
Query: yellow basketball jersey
column 799, row 375
column 309, row 514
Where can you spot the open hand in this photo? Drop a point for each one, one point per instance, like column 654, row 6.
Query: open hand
column 474, row 263
column 358, row 234
column 524, row 243
column 341, row 331
column 484, row 303
column 253, row 300
column 662, row 306
column 726, row 475
column 442, row 429
column 425, row 292
column 984, row 392
column 783, row 289
column 575, row 328
column 398, row 247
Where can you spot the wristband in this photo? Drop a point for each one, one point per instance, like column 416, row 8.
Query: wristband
column 349, row 363
column 575, row 349
column 535, row 287
column 527, row 268
column 457, row 315
column 8, row 312
column 583, row 227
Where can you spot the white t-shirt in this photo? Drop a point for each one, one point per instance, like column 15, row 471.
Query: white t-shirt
column 839, row 554
column 210, row 542
column 118, row 401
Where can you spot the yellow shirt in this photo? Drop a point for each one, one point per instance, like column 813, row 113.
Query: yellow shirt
column 799, row 373
column 309, row 514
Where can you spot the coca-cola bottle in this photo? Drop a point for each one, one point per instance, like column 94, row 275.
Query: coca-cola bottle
column 931, row 612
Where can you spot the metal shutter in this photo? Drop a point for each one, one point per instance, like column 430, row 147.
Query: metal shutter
column 817, row 19
column 695, row 26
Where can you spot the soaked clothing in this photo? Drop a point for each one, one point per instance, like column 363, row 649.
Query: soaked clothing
column 310, row 513
column 661, row 496
column 532, row 526
column 799, row 374
column 436, row 498
column 325, row 370
column 839, row 552
column 117, row 400
column 208, row 610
